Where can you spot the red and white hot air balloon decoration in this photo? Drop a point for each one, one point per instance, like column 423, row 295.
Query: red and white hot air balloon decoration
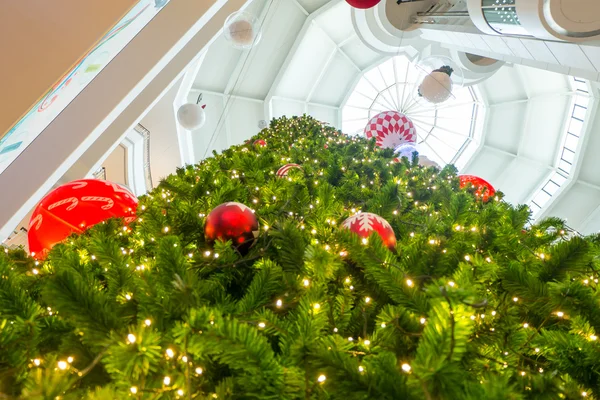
column 364, row 223
column 283, row 171
column 75, row 207
column 391, row 129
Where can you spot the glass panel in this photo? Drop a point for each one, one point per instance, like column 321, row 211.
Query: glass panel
column 559, row 179
column 579, row 112
column 568, row 155
column 575, row 127
column 571, row 142
column 565, row 166
column 551, row 188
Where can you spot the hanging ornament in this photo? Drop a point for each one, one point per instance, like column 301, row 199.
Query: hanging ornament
column 391, row 129
column 482, row 188
column 192, row 116
column 232, row 221
column 260, row 142
column 438, row 77
column 406, row 150
column 242, row 30
column 426, row 162
column 75, row 207
column 363, row 4
column 364, row 223
column 283, row 171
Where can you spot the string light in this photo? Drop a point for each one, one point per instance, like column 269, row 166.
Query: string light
column 515, row 299
column 133, row 389
column 406, row 367
column 593, row 337
column 167, row 380
column 199, row 371
column 37, row 362
column 322, row 378
column 367, row 300
column 147, row 322
column 170, row 353
column 306, row 282
column 366, row 342
column 383, row 325
column 409, row 283
column 180, row 392
column 316, row 306
column 261, row 325
column 361, row 368
column 451, row 284
column 131, row 338
column 422, row 321
column 62, row 365
column 560, row 314
column 279, row 303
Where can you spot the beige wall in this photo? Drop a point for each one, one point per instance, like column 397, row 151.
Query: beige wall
column 41, row 41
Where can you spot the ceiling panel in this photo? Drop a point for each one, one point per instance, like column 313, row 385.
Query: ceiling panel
column 218, row 66
column 489, row 164
column 280, row 31
column 201, row 137
column 360, row 54
column 505, row 85
column 519, row 179
column 243, row 118
column 335, row 83
column 337, row 22
column 539, row 82
column 324, row 114
column 281, row 107
column 305, row 67
column 576, row 204
column 544, row 129
column 505, row 126
column 312, row 5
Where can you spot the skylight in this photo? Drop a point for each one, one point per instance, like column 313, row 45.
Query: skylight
column 567, row 155
column 447, row 134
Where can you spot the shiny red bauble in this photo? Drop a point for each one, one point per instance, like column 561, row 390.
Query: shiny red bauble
column 232, row 221
column 364, row 223
column 74, row 207
column 483, row 189
column 363, row 4
column 260, row 142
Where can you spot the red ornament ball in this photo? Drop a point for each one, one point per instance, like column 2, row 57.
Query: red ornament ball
column 363, row 4
column 75, row 207
column 260, row 142
column 483, row 188
column 283, row 171
column 232, row 221
column 364, row 223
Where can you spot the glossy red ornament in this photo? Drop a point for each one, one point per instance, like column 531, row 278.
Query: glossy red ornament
column 232, row 221
column 483, row 188
column 363, row 4
column 364, row 223
column 283, row 171
column 75, row 207
column 260, row 142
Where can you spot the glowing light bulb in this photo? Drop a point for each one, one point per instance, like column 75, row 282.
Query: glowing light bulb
column 170, row 353
column 62, row 365
column 451, row 284
column 147, row 322
column 306, row 282
column 593, row 337
column 526, row 325
column 37, row 362
column 199, row 371
column 367, row 300
column 133, row 389
column 180, row 392
column 322, row 378
column 261, row 325
column 316, row 306
column 383, row 325
column 361, row 368
column 409, row 283
column 131, row 338
column 422, row 321
column 167, row 380
column 367, row 342
column 279, row 303
column 515, row 299
column 406, row 368
column 560, row 314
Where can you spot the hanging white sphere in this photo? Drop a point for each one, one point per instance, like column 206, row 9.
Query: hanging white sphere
column 406, row 149
column 242, row 30
column 191, row 116
column 438, row 77
column 436, row 87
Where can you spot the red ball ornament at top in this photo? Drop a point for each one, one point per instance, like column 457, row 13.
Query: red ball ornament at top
column 232, row 221
column 75, row 207
column 260, row 142
column 483, row 188
column 363, row 4
column 364, row 223
column 283, row 171
column 391, row 129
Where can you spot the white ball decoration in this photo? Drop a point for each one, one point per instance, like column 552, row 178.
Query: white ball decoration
column 406, row 150
column 241, row 30
column 436, row 87
column 438, row 77
column 191, row 116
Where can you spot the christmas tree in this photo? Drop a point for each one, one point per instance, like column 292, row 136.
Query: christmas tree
column 471, row 302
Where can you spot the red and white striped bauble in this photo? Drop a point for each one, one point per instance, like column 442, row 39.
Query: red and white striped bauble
column 364, row 223
column 283, row 171
column 390, row 129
